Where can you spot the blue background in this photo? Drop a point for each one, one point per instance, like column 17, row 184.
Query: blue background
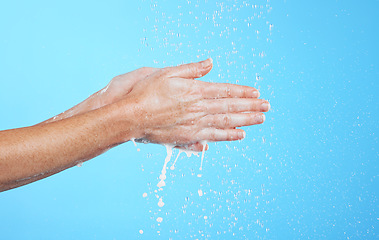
column 309, row 172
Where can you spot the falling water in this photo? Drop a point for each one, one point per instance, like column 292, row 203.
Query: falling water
column 231, row 197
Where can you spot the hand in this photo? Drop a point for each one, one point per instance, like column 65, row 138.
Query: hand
column 171, row 107
column 117, row 88
column 121, row 85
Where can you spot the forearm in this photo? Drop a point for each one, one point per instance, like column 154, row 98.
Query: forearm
column 93, row 102
column 31, row 153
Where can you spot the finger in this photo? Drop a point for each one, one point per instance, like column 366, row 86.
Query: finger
column 227, row 121
column 216, row 135
column 233, row 105
column 191, row 70
column 196, row 147
column 227, row 90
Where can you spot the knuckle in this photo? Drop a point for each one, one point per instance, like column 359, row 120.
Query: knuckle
column 196, row 107
column 212, row 135
column 230, row 108
column 244, row 92
column 116, row 79
column 143, row 69
column 198, row 90
column 226, row 121
column 165, row 71
column 227, row 91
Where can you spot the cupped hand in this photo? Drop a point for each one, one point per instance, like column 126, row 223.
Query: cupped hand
column 172, row 107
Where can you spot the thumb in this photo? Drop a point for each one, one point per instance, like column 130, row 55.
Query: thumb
column 192, row 70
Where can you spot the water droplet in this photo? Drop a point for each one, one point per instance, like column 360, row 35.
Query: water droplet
column 200, row 192
column 160, row 203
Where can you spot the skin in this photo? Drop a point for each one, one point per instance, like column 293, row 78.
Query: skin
column 164, row 106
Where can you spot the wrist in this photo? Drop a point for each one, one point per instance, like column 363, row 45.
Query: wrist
column 122, row 121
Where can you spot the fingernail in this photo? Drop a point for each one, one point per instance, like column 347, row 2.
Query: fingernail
column 241, row 135
column 255, row 94
column 207, row 63
column 265, row 106
column 262, row 118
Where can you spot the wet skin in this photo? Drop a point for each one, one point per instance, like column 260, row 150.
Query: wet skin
column 164, row 106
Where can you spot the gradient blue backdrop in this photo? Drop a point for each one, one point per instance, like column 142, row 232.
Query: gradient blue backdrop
column 309, row 172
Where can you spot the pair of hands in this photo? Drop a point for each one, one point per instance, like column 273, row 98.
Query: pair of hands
column 166, row 106
column 171, row 107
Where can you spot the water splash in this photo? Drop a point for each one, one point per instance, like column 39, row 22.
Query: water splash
column 237, row 35
column 204, row 143
column 162, row 177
